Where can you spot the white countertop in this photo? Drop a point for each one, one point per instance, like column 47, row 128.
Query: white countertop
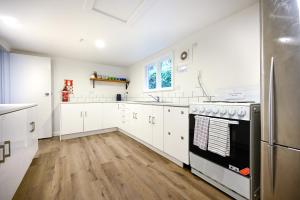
column 136, row 102
column 8, row 108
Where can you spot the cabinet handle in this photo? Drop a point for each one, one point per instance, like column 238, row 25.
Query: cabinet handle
column 32, row 127
column 136, row 116
column 133, row 115
column 85, row 113
column 169, row 133
column 182, row 112
column 7, row 149
column 81, row 114
column 2, row 154
column 153, row 120
column 182, row 138
column 168, row 110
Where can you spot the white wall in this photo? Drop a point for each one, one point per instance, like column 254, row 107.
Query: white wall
column 79, row 72
column 227, row 54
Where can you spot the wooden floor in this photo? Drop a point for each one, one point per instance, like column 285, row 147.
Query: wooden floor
column 108, row 166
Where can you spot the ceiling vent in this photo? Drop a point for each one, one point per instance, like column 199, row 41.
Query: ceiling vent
column 125, row 11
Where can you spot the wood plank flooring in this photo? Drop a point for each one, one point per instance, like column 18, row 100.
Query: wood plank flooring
column 108, row 166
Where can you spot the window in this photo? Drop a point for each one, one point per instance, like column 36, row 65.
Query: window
column 159, row 75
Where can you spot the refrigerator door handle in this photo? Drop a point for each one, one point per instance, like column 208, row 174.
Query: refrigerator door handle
column 271, row 166
column 271, row 124
column 271, row 103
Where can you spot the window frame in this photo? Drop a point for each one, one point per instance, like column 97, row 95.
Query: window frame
column 158, row 62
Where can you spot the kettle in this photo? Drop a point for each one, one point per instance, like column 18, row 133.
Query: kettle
column 119, row 97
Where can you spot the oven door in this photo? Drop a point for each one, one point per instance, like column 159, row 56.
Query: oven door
column 239, row 147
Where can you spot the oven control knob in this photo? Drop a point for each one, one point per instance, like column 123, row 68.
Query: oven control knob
column 194, row 110
column 241, row 113
column 223, row 111
column 201, row 109
column 208, row 110
column 231, row 111
column 215, row 110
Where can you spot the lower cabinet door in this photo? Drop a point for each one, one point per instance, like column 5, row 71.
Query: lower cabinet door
column 32, row 132
column 92, row 117
column 157, row 122
column 144, row 128
column 110, row 115
column 176, row 133
column 71, row 118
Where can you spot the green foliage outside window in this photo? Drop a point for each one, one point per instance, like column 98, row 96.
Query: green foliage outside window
column 162, row 69
column 166, row 73
column 152, row 77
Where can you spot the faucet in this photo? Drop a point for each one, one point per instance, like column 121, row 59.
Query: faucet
column 155, row 98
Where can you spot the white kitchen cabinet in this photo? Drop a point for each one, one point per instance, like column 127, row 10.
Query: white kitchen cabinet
column 124, row 117
column 148, row 125
column 145, row 123
column 110, row 115
column 71, row 116
column 135, row 121
column 92, row 117
column 76, row 118
column 18, row 134
column 157, row 122
column 176, row 133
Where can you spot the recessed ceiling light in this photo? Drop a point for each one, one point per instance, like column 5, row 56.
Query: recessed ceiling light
column 100, row 44
column 10, row 21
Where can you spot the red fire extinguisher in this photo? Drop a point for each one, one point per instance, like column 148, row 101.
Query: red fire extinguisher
column 65, row 94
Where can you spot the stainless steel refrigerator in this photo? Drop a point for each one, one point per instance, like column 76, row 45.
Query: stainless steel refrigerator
column 280, row 93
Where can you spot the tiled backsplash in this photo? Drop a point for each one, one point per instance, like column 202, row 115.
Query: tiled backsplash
column 195, row 96
column 175, row 97
column 168, row 96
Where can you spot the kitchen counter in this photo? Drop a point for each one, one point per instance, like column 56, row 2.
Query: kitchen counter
column 136, row 102
column 8, row 108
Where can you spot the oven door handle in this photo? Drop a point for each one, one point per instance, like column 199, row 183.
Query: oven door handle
column 233, row 122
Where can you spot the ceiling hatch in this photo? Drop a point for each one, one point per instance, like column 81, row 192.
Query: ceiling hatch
column 125, row 11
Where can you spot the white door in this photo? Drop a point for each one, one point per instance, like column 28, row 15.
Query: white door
column 71, row 118
column 158, row 128
column 92, row 116
column 30, row 82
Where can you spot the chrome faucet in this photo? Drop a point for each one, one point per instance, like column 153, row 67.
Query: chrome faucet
column 155, row 98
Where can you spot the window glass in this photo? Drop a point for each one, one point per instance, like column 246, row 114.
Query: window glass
column 159, row 74
column 166, row 73
column 151, row 76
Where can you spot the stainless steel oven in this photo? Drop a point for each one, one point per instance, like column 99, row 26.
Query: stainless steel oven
column 238, row 173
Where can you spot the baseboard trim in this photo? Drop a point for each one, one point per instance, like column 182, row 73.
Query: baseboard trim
column 84, row 134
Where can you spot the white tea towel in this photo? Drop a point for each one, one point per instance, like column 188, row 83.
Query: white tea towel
column 219, row 137
column 201, row 132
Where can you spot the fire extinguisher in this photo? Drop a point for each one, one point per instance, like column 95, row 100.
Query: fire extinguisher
column 65, row 94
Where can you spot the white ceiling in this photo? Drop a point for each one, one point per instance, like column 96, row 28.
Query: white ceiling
column 55, row 27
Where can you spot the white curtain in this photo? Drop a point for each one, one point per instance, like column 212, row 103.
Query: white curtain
column 4, row 75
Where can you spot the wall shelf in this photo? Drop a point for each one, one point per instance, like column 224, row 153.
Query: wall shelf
column 109, row 81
